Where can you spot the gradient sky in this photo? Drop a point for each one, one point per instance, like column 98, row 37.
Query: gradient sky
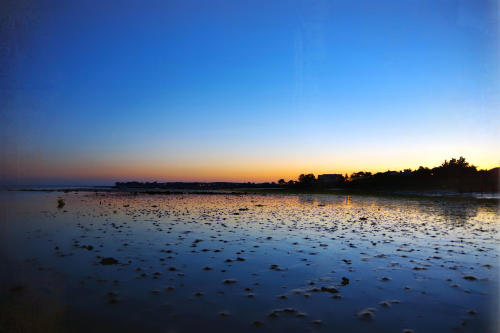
column 96, row 92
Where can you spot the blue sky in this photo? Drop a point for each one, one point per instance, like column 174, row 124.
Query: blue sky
column 245, row 90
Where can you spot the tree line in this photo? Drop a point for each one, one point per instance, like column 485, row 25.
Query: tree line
column 455, row 174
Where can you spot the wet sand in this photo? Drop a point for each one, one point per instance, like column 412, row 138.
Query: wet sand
column 75, row 262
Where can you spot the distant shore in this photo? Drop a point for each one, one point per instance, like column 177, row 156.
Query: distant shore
column 448, row 194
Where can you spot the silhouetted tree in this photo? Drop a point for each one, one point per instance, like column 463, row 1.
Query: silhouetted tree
column 455, row 174
column 361, row 174
column 454, row 168
column 281, row 181
column 307, row 179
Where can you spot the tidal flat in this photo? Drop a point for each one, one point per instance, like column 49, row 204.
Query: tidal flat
column 95, row 262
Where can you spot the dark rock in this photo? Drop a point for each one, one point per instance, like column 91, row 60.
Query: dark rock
column 332, row 290
column 108, row 261
column 470, row 278
column 345, row 281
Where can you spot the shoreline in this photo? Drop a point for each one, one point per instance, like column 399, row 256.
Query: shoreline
column 424, row 194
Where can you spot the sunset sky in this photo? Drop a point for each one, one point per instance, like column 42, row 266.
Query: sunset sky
column 96, row 92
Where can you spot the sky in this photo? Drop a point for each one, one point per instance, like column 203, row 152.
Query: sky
column 95, row 92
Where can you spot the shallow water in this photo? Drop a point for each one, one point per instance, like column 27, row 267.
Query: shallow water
column 247, row 263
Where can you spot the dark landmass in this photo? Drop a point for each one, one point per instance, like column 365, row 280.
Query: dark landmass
column 192, row 185
column 454, row 176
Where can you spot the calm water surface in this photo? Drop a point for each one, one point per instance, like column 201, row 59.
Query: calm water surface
column 295, row 263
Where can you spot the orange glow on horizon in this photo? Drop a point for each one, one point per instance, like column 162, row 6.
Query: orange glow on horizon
column 231, row 171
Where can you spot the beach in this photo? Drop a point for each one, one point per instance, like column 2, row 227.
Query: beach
column 192, row 262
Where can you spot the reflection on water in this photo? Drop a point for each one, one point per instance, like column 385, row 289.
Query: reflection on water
column 251, row 262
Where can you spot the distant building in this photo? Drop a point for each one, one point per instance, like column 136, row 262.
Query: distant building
column 330, row 179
